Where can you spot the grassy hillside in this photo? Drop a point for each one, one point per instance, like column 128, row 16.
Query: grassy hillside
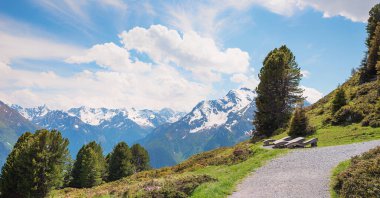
column 210, row 174
column 350, row 123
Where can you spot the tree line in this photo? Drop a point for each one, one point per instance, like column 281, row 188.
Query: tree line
column 40, row 162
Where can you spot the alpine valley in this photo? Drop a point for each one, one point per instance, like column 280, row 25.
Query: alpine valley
column 170, row 137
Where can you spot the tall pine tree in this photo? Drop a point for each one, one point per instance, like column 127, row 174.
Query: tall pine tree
column 89, row 167
column 373, row 53
column 120, row 162
column 367, row 71
column 140, row 158
column 277, row 91
column 35, row 166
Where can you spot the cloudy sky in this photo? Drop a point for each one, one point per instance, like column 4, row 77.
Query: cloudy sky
column 156, row 54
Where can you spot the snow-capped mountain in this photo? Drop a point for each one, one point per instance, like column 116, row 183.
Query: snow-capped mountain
column 107, row 126
column 31, row 113
column 209, row 125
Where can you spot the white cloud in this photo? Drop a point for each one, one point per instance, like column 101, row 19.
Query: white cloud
column 355, row 10
column 210, row 17
column 197, row 54
column 239, row 78
column 305, row 73
column 125, row 80
column 312, row 95
column 163, row 86
column 109, row 55
column 31, row 47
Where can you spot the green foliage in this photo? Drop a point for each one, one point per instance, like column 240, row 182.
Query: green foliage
column 35, row 166
column 89, row 167
column 140, row 158
column 347, row 115
column 367, row 70
column 339, row 100
column 362, row 177
column 277, row 92
column 120, row 162
column 299, row 124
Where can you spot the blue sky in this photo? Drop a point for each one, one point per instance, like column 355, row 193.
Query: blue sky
column 156, row 54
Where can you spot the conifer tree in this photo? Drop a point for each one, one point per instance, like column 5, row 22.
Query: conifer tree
column 339, row 100
column 120, row 162
column 298, row 124
column 35, row 165
column 89, row 167
column 277, row 91
column 140, row 158
column 366, row 71
column 373, row 53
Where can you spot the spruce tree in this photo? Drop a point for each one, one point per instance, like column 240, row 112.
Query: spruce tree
column 298, row 124
column 36, row 165
column 140, row 158
column 89, row 167
column 373, row 53
column 277, row 91
column 120, row 162
column 366, row 70
column 339, row 100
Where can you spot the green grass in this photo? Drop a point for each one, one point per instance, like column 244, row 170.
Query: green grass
column 210, row 174
column 335, row 172
column 229, row 176
column 338, row 135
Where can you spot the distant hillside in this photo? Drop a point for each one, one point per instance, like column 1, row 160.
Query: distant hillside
column 211, row 124
column 12, row 125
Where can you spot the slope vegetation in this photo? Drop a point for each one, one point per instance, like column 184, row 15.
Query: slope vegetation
column 351, row 122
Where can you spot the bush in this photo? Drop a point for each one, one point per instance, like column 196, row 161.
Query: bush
column 176, row 188
column 362, row 177
column 346, row 115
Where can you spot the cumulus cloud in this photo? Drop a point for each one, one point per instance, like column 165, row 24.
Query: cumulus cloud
column 312, row 95
column 197, row 54
column 111, row 56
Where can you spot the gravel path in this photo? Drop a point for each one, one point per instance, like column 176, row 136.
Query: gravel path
column 300, row 173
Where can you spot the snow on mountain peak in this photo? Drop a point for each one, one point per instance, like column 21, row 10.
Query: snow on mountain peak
column 92, row 116
column 32, row 113
column 214, row 113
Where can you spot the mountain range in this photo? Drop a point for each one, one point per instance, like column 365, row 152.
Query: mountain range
column 169, row 136
column 107, row 126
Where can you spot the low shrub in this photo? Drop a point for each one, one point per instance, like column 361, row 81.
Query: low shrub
column 176, row 188
column 362, row 177
column 347, row 115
